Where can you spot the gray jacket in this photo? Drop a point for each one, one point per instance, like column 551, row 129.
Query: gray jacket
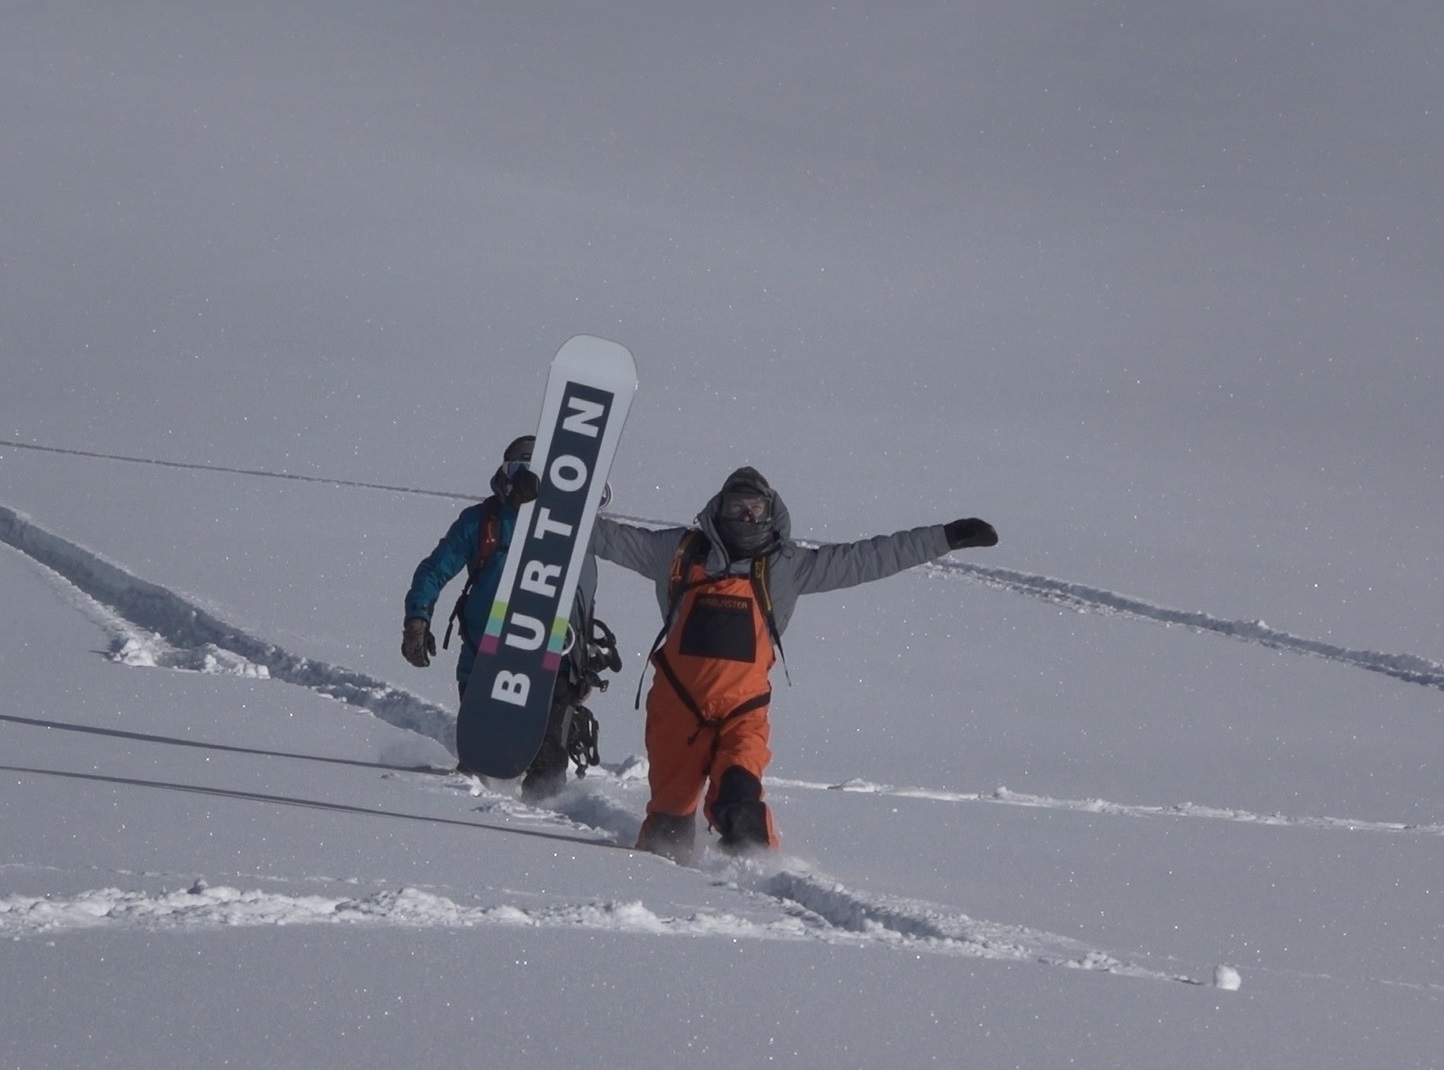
column 793, row 570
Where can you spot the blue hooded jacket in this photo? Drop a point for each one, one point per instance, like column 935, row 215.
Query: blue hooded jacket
column 456, row 551
column 453, row 554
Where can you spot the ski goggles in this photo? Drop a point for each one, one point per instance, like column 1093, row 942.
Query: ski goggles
column 746, row 508
column 514, row 468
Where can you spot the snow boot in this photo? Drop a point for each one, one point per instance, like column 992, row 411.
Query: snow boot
column 672, row 836
column 739, row 813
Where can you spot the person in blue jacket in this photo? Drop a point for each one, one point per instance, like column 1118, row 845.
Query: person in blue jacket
column 478, row 541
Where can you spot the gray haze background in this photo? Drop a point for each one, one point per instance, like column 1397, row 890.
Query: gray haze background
column 1153, row 287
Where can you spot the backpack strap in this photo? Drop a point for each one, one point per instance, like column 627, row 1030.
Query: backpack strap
column 703, row 722
column 763, row 593
column 691, row 548
column 488, row 538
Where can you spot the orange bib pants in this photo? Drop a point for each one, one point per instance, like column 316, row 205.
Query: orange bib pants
column 707, row 723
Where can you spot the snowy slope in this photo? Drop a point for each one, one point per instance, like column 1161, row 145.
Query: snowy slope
column 221, row 794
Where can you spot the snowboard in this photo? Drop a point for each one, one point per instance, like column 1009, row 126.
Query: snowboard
column 503, row 716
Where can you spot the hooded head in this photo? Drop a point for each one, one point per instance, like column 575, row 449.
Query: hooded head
column 517, row 455
column 746, row 514
column 520, row 449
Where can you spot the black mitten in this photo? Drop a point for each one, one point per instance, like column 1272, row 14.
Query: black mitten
column 970, row 532
column 417, row 642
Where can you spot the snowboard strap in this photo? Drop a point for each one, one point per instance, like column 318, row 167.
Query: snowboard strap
column 579, row 676
column 486, row 543
column 582, row 740
column 582, row 672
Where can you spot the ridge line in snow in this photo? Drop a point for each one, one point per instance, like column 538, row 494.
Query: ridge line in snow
column 1004, row 796
column 830, row 911
column 146, row 605
column 159, row 610
column 1083, row 599
column 818, row 907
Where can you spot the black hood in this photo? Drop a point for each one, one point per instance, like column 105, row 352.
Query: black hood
column 519, row 449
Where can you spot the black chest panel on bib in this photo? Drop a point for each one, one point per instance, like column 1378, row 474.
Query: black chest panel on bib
column 720, row 626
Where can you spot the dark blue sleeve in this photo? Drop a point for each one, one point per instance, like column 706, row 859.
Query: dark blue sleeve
column 452, row 554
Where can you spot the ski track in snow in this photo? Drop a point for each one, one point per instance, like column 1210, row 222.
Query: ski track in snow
column 820, row 911
column 159, row 628
column 1003, row 796
column 1077, row 597
column 156, row 627
column 1081, row 599
column 204, row 907
column 813, row 907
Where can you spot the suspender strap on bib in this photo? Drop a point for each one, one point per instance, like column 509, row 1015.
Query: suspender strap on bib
column 704, row 722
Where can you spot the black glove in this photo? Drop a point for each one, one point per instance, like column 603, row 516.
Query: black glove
column 417, row 642
column 970, row 532
column 525, row 486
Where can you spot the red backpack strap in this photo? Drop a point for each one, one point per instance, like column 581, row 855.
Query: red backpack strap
column 490, row 535
column 687, row 548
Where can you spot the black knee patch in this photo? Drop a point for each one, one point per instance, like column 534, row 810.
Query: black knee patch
column 738, row 786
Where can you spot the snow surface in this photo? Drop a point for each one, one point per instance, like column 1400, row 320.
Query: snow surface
column 1152, row 288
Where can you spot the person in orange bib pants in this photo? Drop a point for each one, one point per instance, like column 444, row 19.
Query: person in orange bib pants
column 727, row 587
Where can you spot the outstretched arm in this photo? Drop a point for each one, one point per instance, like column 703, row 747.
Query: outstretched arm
column 848, row 564
column 642, row 550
